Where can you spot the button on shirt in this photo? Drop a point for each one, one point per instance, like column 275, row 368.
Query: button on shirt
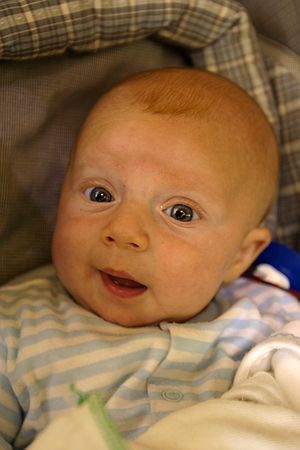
column 172, row 396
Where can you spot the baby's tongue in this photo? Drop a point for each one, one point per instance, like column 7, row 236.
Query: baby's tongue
column 126, row 282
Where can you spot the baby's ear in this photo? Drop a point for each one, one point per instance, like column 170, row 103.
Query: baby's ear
column 253, row 244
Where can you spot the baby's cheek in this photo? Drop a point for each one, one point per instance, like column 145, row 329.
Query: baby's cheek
column 64, row 240
column 67, row 257
column 68, row 229
column 178, row 258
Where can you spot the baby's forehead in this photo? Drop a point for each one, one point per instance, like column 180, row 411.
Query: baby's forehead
column 202, row 100
column 205, row 97
column 216, row 132
column 195, row 149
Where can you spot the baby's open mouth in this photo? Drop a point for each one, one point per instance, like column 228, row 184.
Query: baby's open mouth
column 121, row 286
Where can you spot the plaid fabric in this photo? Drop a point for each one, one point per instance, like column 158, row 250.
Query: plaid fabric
column 217, row 35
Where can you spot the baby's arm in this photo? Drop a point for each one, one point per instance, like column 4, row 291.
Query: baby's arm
column 269, row 373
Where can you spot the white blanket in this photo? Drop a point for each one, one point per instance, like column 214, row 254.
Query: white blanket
column 261, row 411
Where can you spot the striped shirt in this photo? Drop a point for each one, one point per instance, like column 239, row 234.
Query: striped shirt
column 48, row 343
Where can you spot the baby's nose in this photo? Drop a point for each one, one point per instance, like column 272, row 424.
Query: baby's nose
column 126, row 231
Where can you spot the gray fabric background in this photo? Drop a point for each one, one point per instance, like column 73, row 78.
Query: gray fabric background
column 277, row 19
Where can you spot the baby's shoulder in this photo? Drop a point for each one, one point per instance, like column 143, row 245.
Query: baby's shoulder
column 39, row 278
column 46, row 272
column 267, row 299
column 33, row 290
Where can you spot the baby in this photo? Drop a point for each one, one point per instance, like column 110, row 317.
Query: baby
column 172, row 175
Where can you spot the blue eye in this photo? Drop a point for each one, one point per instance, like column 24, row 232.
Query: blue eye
column 99, row 194
column 182, row 213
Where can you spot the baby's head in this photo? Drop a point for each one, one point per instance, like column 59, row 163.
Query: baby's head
column 171, row 177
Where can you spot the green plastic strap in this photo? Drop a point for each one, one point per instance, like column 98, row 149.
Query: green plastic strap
column 103, row 421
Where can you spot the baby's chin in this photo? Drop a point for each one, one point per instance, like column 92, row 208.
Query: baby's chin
column 129, row 322
column 117, row 318
column 132, row 321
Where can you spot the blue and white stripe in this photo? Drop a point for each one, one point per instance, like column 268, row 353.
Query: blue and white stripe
column 48, row 343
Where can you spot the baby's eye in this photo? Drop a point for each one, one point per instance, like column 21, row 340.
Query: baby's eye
column 182, row 213
column 99, row 194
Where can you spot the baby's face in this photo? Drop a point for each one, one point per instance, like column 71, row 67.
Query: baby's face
column 149, row 224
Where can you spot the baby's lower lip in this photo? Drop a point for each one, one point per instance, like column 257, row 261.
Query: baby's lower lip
column 122, row 287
